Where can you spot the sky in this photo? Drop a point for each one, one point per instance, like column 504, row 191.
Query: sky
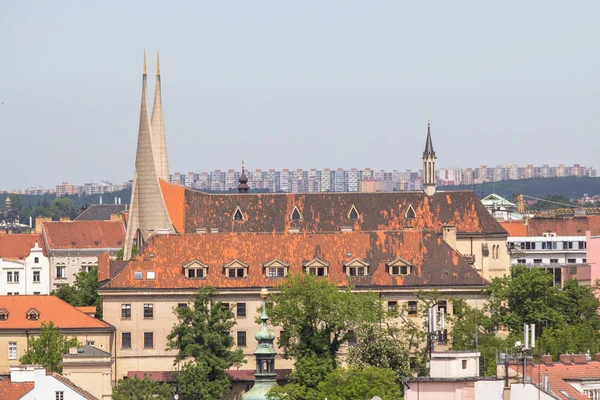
column 303, row 84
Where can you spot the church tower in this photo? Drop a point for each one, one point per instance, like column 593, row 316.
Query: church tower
column 429, row 164
column 148, row 212
column 159, row 139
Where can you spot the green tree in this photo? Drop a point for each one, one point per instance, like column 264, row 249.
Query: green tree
column 63, row 207
column 377, row 346
column 317, row 316
column 48, row 349
column 121, row 253
column 141, row 389
column 202, row 339
column 84, row 291
column 359, row 383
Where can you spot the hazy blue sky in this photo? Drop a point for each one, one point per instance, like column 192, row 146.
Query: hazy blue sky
column 297, row 84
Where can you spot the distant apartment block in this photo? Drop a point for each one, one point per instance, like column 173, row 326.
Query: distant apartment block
column 368, row 180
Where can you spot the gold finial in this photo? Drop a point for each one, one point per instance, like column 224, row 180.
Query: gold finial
column 144, row 61
column 243, row 165
column 157, row 63
column 264, row 293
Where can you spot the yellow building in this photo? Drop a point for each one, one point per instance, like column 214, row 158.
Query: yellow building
column 21, row 318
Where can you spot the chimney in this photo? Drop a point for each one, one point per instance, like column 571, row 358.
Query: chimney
column 565, row 358
column 73, row 351
column 579, row 358
column 546, row 359
column 449, row 235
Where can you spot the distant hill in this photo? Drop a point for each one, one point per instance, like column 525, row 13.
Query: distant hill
column 569, row 187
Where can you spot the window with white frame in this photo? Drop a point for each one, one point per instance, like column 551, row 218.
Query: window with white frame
column 356, row 267
column 236, row 269
column 61, row 272
column 317, row 267
column 276, row 269
column 36, row 276
column 399, row 267
column 195, row 270
column 59, row 395
column 12, row 350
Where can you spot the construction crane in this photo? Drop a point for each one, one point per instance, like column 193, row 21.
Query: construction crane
column 569, row 209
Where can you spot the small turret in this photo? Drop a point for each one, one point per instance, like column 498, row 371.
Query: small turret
column 243, row 186
column 429, row 180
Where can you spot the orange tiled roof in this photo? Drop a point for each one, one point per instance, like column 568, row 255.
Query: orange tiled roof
column 515, row 228
column 572, row 226
column 559, row 374
column 50, row 308
column 87, row 309
column 84, row 234
column 13, row 390
column 434, row 262
column 326, row 212
column 17, row 246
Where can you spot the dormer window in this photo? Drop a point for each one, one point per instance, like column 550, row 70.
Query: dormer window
column 356, row 267
column 238, row 215
column 276, row 269
column 410, row 212
column 399, row 267
column 3, row 314
column 236, row 269
column 316, row 267
column 33, row 314
column 353, row 213
column 295, row 215
column 195, row 270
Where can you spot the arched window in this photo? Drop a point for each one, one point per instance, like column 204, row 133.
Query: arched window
column 36, row 260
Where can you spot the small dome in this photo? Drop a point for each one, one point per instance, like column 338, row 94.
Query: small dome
column 264, row 335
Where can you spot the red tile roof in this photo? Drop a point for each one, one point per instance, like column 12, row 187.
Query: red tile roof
column 84, row 234
column 434, row 262
column 326, row 212
column 515, row 228
column 50, row 308
column 17, row 246
column 559, row 374
column 13, row 390
column 571, row 226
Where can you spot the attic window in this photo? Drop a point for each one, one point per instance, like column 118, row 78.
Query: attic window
column 353, row 213
column 33, row 314
column 410, row 212
column 237, row 215
column 236, row 269
column 97, row 243
column 3, row 314
column 150, row 275
column 276, row 269
column 316, row 267
column 296, row 216
column 137, row 275
column 73, row 243
column 356, row 267
column 399, row 267
column 195, row 270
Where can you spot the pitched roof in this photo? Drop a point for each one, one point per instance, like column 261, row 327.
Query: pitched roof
column 515, row 228
column 327, row 212
column 100, row 212
column 84, row 234
column 85, row 394
column 88, row 351
column 559, row 374
column 13, row 390
column 50, row 308
column 17, row 246
column 434, row 262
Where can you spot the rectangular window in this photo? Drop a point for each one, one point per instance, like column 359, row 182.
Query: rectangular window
column 241, row 309
column 90, row 342
column 232, row 272
column 554, row 261
column 61, row 272
column 537, row 260
column 12, row 350
column 443, row 305
column 137, row 275
column 36, row 276
column 571, row 260
column 522, row 261
column 59, row 395
column 148, row 340
column 191, row 273
column 148, row 311
column 395, row 270
column 278, row 272
column 16, row 275
column 392, row 306
column 464, row 364
column 241, row 338
column 412, row 308
column 240, row 272
column 182, row 305
column 584, row 260
column 9, row 276
column 126, row 340
column 125, row 311
column 582, row 245
column 404, row 270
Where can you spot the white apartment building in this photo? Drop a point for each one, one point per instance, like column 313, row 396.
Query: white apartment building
column 24, row 266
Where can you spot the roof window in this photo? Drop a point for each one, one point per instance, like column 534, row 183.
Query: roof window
column 410, row 212
column 237, row 215
column 353, row 213
column 399, row 267
column 317, row 267
column 137, row 275
column 296, row 216
column 3, row 314
column 150, row 275
column 33, row 314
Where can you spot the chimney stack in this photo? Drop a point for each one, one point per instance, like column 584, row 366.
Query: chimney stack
column 546, row 359
column 579, row 358
column 565, row 358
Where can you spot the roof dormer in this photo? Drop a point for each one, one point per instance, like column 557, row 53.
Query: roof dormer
column 276, row 268
column 238, row 215
column 295, row 215
column 399, row 267
column 32, row 314
column 353, row 213
column 410, row 212
column 356, row 267
column 3, row 314
column 195, row 270
column 317, row 267
column 236, row 269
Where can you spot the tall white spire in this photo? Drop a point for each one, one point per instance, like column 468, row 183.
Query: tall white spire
column 158, row 129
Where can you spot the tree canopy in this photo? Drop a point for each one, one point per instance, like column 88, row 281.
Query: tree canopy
column 141, row 389
column 202, row 339
column 48, row 349
column 84, row 292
